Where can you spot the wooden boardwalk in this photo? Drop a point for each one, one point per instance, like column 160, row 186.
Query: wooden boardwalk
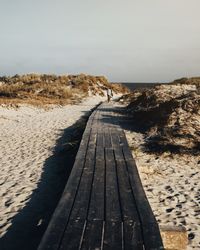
column 103, row 205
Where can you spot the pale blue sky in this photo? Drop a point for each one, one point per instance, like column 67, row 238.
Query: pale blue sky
column 126, row 40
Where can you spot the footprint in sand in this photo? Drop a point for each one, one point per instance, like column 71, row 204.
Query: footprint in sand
column 191, row 236
column 178, row 213
column 169, row 189
column 169, row 210
column 8, row 202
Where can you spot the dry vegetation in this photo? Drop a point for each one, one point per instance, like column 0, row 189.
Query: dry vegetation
column 169, row 115
column 52, row 89
column 189, row 81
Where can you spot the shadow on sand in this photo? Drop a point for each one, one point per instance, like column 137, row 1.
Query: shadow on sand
column 141, row 123
column 29, row 224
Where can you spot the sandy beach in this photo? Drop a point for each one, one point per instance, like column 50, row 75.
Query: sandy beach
column 60, row 60
column 31, row 140
column 34, row 172
column 171, row 183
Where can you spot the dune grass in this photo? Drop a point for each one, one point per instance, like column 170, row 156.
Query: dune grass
column 45, row 89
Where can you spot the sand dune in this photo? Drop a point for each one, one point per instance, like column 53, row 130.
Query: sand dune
column 164, row 136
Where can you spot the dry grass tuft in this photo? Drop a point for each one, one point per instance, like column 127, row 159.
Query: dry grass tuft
column 41, row 90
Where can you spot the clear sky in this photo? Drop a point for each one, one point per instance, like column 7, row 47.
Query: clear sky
column 126, row 40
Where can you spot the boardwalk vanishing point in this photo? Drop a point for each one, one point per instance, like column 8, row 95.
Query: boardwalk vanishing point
column 103, row 205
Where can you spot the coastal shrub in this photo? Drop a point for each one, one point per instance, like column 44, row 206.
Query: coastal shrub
column 52, row 89
column 169, row 117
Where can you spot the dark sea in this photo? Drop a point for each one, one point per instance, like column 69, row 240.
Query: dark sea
column 133, row 86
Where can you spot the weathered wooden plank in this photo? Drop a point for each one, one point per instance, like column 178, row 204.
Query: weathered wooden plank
column 92, row 139
column 90, row 153
column 107, row 139
column 113, row 235
column 100, row 139
column 81, row 203
column 83, row 146
column 91, row 148
column 72, row 237
column 55, row 230
column 140, row 197
column 152, row 238
column 123, row 140
column 93, row 236
column 127, row 200
column 119, row 156
column 60, row 218
column 127, row 153
column 115, row 139
column 132, row 236
column 113, row 210
column 96, row 209
column 81, row 152
column 100, row 153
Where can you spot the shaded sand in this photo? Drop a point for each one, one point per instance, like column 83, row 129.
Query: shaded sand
column 28, row 137
column 171, row 183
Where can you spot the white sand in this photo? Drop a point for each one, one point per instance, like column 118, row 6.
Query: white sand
column 27, row 138
column 171, row 183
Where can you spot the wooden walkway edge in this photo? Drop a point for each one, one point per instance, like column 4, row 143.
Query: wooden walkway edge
column 103, row 205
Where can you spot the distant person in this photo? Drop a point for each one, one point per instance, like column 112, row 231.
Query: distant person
column 109, row 94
